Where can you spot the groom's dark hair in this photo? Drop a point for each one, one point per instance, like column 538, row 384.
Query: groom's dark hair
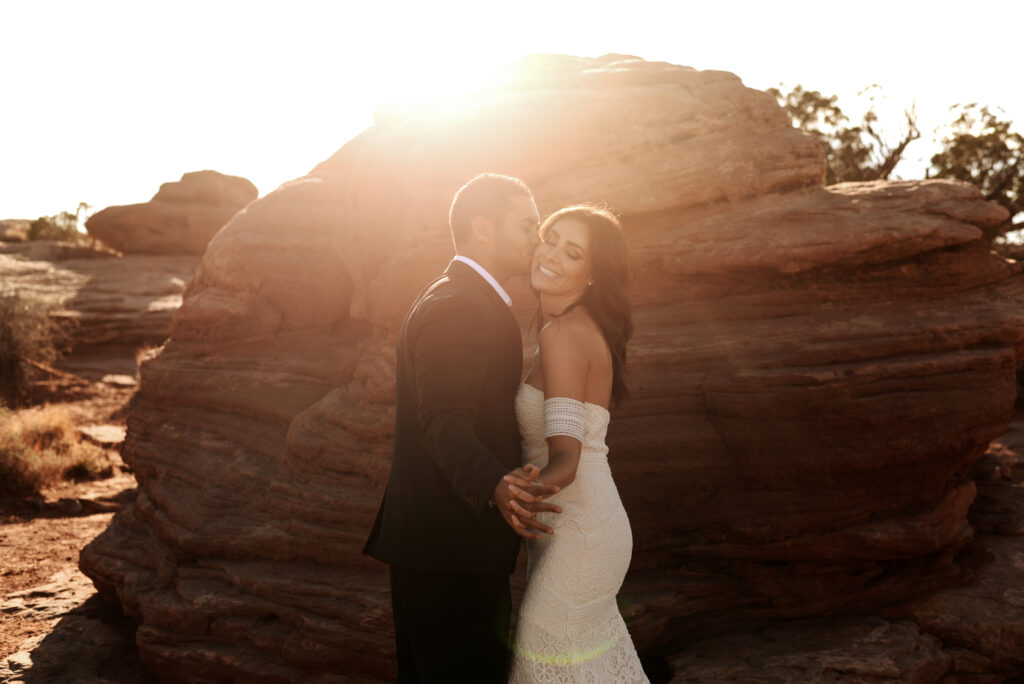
column 485, row 195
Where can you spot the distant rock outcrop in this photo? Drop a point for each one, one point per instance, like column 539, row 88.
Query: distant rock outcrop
column 113, row 307
column 814, row 370
column 14, row 230
column 180, row 219
column 125, row 301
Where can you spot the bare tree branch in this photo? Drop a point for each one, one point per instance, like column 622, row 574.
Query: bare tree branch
column 893, row 156
column 1008, row 175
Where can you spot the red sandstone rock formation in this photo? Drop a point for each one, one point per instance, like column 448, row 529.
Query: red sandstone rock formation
column 180, row 219
column 813, row 372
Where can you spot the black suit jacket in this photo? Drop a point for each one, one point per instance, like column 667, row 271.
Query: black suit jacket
column 460, row 360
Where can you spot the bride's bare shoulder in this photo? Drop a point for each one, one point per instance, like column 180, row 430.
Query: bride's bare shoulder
column 575, row 331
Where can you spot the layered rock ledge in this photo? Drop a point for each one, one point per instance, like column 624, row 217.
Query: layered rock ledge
column 126, row 301
column 814, row 371
column 114, row 308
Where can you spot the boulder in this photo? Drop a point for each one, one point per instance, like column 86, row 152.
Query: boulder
column 814, row 369
column 14, row 230
column 180, row 219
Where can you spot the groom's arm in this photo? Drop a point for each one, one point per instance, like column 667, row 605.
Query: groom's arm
column 450, row 345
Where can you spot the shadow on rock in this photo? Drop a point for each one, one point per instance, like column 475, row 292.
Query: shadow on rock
column 92, row 642
column 39, row 507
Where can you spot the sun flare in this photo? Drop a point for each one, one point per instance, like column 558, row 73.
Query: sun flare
column 110, row 108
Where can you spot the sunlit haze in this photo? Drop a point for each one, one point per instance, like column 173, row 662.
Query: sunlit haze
column 104, row 101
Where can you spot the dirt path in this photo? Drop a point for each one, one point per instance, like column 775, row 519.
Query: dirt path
column 54, row 627
column 40, row 541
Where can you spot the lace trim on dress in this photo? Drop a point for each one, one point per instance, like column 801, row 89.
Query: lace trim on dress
column 564, row 416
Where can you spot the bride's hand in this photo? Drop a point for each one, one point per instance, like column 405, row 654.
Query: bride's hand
column 518, row 503
column 525, row 505
column 529, row 498
column 528, row 488
column 523, row 476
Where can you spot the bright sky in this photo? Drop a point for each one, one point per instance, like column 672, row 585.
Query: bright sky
column 102, row 101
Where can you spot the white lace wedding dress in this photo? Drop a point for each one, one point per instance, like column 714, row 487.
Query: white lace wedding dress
column 570, row 628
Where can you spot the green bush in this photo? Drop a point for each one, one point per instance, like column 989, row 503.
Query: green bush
column 27, row 331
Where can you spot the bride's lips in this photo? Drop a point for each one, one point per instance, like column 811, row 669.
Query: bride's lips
column 546, row 271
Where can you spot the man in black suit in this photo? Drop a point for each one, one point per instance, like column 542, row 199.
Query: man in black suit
column 448, row 527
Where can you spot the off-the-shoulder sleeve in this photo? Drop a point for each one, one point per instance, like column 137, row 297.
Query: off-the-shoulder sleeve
column 564, row 416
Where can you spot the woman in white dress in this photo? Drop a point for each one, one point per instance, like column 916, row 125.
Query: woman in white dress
column 570, row 628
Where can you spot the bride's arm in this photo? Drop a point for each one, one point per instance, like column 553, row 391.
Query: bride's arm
column 565, row 378
column 564, row 368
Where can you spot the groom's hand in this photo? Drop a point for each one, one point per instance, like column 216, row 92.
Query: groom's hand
column 519, row 496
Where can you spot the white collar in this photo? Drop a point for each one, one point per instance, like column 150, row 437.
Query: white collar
column 486, row 276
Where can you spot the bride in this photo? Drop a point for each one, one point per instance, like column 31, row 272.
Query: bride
column 570, row 629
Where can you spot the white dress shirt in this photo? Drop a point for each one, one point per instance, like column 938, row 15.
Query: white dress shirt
column 486, row 276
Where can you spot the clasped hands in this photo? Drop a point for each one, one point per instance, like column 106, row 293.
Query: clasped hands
column 519, row 496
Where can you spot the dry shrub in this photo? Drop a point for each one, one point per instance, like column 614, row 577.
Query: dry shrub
column 62, row 227
column 27, row 331
column 40, row 446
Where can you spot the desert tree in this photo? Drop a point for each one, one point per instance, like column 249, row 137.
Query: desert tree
column 982, row 148
column 853, row 152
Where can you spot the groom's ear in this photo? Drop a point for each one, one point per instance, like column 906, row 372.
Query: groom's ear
column 482, row 230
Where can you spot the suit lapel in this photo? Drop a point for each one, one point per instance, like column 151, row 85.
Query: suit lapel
column 466, row 276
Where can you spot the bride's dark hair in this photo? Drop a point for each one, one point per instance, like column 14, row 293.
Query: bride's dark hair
column 605, row 298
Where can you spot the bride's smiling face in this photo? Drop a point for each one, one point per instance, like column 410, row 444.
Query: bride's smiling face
column 561, row 262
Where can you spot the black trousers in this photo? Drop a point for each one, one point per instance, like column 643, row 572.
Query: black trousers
column 451, row 628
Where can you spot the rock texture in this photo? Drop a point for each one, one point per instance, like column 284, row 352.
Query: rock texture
column 985, row 612
column 814, row 370
column 858, row 650
column 180, row 219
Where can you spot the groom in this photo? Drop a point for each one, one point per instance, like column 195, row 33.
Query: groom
column 449, row 526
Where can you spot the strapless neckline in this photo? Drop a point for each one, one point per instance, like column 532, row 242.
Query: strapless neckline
column 586, row 403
